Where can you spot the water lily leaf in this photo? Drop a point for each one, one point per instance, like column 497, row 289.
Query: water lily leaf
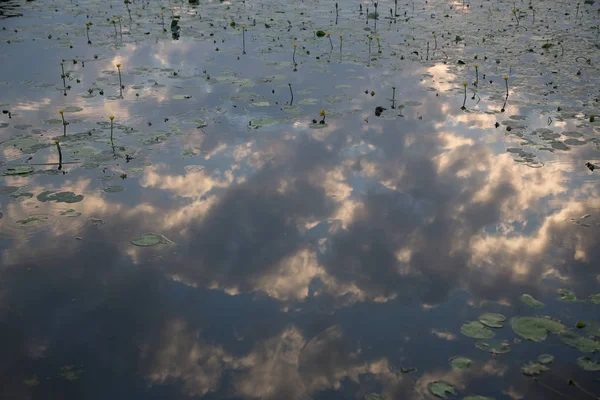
column 530, row 301
column 460, row 362
column 71, row 213
column 31, row 382
column 374, row 396
column 441, row 389
column 59, row 197
column 32, row 221
column 71, row 373
column 595, row 298
column 8, row 189
column 532, row 369
column 588, row 364
column 150, row 239
column 536, row 328
column 477, row 330
column 492, row 320
column 261, row 104
column 494, row 346
column 566, row 295
column 18, row 170
column 584, row 344
column 72, row 109
column 21, row 143
column 113, row 189
column 545, row 358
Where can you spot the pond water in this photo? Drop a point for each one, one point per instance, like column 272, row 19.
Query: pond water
column 217, row 200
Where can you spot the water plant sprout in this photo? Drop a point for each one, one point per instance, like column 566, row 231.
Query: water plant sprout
column 322, row 114
column 370, row 38
column 112, row 117
column 128, row 10
column 244, row 39
column 330, row 42
column 506, row 82
column 114, row 22
column 120, row 81
column 63, row 76
column 341, row 41
column 59, row 153
column 393, row 97
column 291, row 93
column 465, row 99
column 379, row 44
column 336, row 13
column 294, row 54
column 65, row 123
column 476, row 74
column 87, row 31
column 162, row 17
column 434, row 41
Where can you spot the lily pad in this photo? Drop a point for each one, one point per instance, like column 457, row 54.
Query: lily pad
column 588, row 364
column 530, row 301
column 492, row 320
column 261, row 104
column 583, row 344
column 374, row 396
column 545, row 358
column 494, row 346
column 533, row 369
column 8, row 189
column 460, row 362
column 71, row 213
column 71, row 373
column 18, row 170
column 31, row 382
column 59, row 197
column 441, row 389
column 477, row 330
column 150, row 239
column 32, row 221
column 113, row 189
column 595, row 298
column 536, row 328
column 567, row 295
column 72, row 109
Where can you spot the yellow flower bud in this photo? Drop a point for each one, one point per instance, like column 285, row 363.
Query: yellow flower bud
column 505, row 77
column 322, row 113
column 465, row 84
column 112, row 117
column 56, row 141
column 341, row 36
column 61, row 112
column 243, row 26
column 118, row 65
column 294, row 45
column 328, row 34
column 476, row 66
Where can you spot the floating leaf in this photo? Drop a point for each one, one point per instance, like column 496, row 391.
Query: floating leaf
column 31, row 382
column 151, row 239
column 494, row 346
column 407, row 370
column 595, row 298
column 536, row 328
column 532, row 369
column 566, row 295
column 18, row 170
column 70, row 213
column 545, row 358
column 460, row 362
column 530, row 301
column 113, row 189
column 32, row 221
column 72, row 109
column 492, row 320
column 8, row 189
column 261, row 104
column 59, row 197
column 71, row 373
column 441, row 389
column 588, row 364
column 374, row 396
column 584, row 344
column 477, row 330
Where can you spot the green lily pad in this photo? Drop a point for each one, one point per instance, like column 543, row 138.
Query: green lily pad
column 595, row 298
column 59, row 197
column 477, row 330
column 32, row 221
column 494, row 346
column 588, row 364
column 261, row 104
column 583, row 344
column 18, row 170
column 460, row 362
column 31, row 382
column 567, row 295
column 374, row 396
column 72, row 109
column 8, row 189
column 71, row 213
column 408, row 370
column 545, row 358
column 71, row 373
column 530, row 301
column 532, row 369
column 492, row 320
column 536, row 328
column 475, row 397
column 151, row 239
column 113, row 189
column 441, row 389
column 21, row 142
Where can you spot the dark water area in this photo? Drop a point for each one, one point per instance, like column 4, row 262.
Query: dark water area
column 218, row 201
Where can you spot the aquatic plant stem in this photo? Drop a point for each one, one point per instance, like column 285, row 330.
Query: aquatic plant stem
column 330, row 42
column 506, row 82
column 63, row 76
column 244, row 39
column 465, row 99
column 434, row 41
column 336, row 13
column 62, row 115
column 294, row 54
column 476, row 74
column 291, row 94
column 341, row 42
column 115, row 26
column 120, row 81
column 573, row 383
column 59, row 154
column 112, row 117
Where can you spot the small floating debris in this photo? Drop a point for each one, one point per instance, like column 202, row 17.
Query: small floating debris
column 379, row 110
